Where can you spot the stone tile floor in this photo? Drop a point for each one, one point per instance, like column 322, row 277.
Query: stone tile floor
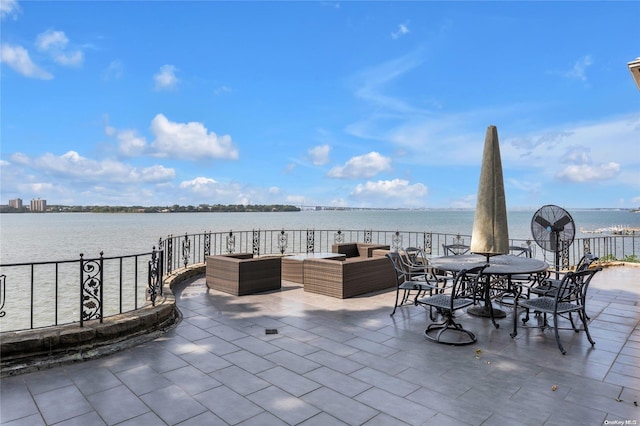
column 337, row 362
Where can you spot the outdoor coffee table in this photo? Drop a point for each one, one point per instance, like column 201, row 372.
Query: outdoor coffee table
column 505, row 265
column 293, row 266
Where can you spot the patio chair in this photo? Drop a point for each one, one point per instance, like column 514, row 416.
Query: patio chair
column 464, row 285
column 455, row 249
column 548, row 286
column 504, row 287
column 417, row 260
column 569, row 297
column 409, row 278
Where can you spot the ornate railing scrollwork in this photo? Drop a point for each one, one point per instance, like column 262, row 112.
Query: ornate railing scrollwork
column 396, row 242
column 256, row 242
column 338, row 238
column 368, row 236
column 155, row 277
column 565, row 255
column 91, row 280
column 3, row 290
column 169, row 252
column 186, row 250
column 207, row 244
column 311, row 240
column 283, row 241
column 231, row 242
column 426, row 241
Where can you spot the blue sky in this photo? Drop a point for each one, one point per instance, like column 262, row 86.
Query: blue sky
column 360, row 104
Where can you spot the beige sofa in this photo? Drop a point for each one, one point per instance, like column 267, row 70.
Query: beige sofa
column 366, row 272
column 241, row 273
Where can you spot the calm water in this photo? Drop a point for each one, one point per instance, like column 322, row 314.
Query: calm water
column 62, row 236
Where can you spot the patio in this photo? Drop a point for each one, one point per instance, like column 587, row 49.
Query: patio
column 291, row 357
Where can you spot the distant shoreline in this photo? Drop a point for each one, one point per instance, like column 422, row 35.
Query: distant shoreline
column 259, row 208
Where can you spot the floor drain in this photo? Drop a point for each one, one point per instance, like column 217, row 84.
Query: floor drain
column 271, row 331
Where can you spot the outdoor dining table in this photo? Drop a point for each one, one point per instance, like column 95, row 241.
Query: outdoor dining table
column 506, row 265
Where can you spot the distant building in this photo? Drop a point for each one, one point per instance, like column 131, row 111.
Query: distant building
column 38, row 205
column 16, row 204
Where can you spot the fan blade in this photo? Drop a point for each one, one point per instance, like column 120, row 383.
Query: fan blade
column 560, row 223
column 543, row 222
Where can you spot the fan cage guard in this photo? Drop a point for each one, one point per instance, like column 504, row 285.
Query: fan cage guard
column 554, row 213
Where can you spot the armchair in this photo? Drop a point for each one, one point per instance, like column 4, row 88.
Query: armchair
column 242, row 273
column 569, row 297
column 461, row 295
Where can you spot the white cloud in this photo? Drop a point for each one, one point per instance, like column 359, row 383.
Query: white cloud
column 166, row 78
column 73, row 166
column 114, row 71
column 372, row 81
column 399, row 190
column 55, row 43
column 50, row 39
column 222, row 89
column 42, row 188
column 589, row 173
column 17, row 58
column 211, row 191
column 403, row 29
column 189, row 141
column 199, row 184
column 579, row 70
column 319, row 155
column 130, row 143
column 9, row 8
column 363, row 166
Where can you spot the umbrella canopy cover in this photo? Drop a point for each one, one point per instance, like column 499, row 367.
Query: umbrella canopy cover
column 490, row 231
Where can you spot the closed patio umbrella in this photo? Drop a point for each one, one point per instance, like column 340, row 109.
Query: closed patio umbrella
column 490, row 231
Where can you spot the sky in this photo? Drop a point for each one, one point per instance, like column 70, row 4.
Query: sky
column 346, row 104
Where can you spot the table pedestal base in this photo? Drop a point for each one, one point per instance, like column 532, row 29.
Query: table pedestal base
column 485, row 312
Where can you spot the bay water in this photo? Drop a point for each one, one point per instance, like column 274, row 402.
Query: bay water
column 30, row 237
column 34, row 237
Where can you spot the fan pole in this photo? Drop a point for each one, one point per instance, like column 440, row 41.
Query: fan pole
column 557, row 254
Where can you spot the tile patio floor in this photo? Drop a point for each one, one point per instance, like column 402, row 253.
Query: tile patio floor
column 336, row 362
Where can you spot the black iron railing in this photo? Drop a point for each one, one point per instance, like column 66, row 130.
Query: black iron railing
column 42, row 294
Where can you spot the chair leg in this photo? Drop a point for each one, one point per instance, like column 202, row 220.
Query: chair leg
column 514, row 333
column 555, row 329
column 395, row 306
column 585, row 320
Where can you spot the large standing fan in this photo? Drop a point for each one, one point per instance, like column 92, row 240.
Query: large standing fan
column 553, row 230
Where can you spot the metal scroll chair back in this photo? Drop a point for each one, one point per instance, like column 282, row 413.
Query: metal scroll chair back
column 520, row 251
column 548, row 286
column 455, row 249
column 570, row 297
column 449, row 331
column 408, row 279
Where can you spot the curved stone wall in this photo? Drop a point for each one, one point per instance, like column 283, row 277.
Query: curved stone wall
column 29, row 350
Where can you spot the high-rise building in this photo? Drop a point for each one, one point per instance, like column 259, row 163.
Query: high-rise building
column 38, row 205
column 16, row 204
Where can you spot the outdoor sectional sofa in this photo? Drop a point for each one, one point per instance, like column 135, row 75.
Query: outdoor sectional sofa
column 364, row 270
column 242, row 273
